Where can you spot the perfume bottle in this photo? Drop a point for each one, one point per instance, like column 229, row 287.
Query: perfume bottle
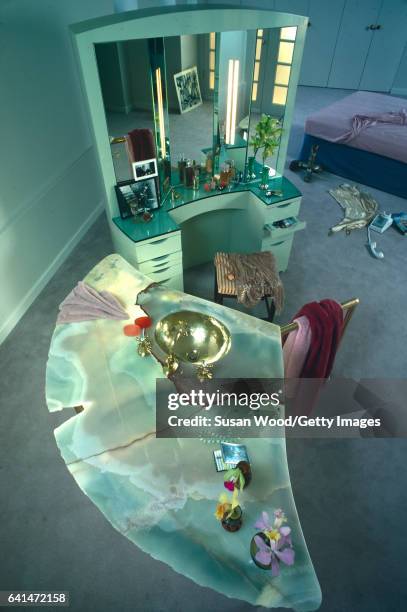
column 232, row 170
column 181, row 168
column 209, row 163
column 189, row 175
column 224, row 175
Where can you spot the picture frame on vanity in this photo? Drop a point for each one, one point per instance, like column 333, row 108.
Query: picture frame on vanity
column 135, row 197
column 145, row 169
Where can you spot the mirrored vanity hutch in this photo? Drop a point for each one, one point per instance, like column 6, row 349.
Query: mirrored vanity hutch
column 177, row 96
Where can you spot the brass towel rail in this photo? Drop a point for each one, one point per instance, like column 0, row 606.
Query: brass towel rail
column 348, row 308
column 117, row 139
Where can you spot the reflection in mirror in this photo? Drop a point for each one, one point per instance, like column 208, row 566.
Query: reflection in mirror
column 235, row 62
column 160, row 105
column 124, row 73
column 190, row 64
column 197, row 104
column 271, row 78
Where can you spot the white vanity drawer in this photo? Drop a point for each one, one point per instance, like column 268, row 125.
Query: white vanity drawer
column 155, row 247
column 281, row 250
column 166, row 272
column 158, row 263
column 272, row 233
column 282, row 211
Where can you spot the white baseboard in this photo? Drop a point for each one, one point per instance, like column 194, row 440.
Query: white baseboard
column 399, row 91
column 40, row 283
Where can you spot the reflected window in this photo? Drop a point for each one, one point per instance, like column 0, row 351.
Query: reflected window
column 284, row 61
column 282, row 74
column 212, row 50
column 285, row 52
column 288, row 33
column 279, row 95
column 257, row 60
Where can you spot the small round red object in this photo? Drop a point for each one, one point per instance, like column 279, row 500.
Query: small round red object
column 143, row 322
column 132, row 330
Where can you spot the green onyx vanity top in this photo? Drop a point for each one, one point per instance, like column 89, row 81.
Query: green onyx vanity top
column 162, row 223
column 162, row 493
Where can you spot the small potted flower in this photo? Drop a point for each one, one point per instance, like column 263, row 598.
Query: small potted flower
column 228, row 512
column 272, row 545
column 239, row 477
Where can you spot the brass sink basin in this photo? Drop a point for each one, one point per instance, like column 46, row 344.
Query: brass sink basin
column 192, row 337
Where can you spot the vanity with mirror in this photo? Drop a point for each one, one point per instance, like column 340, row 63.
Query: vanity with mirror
column 191, row 109
column 191, row 124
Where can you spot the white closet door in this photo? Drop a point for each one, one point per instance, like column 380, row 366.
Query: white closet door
column 320, row 42
column 387, row 47
column 353, row 43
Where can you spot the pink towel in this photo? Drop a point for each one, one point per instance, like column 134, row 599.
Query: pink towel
column 296, row 348
column 85, row 304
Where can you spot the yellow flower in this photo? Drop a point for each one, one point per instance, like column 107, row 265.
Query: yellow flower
column 221, row 509
column 273, row 534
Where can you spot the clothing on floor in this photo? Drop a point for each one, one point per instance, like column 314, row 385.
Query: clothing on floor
column 359, row 207
column 84, row 303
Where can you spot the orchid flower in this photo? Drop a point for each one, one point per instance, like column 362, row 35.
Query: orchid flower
column 279, row 547
column 273, row 553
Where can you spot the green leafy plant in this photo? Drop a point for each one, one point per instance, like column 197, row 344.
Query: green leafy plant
column 267, row 136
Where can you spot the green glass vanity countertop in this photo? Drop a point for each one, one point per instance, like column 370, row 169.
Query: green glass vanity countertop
column 162, row 493
column 162, row 223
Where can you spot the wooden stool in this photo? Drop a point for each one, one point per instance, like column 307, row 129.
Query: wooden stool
column 227, row 288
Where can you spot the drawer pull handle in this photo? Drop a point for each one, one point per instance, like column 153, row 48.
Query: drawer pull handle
column 158, row 241
column 163, row 269
column 277, row 244
column 161, row 263
column 159, row 258
column 165, row 281
column 284, row 205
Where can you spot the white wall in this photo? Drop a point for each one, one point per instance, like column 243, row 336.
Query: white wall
column 400, row 82
column 50, row 188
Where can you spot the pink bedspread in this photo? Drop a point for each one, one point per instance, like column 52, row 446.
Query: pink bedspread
column 387, row 139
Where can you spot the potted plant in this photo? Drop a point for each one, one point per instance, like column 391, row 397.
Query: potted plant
column 228, row 511
column 267, row 137
column 238, row 477
column 272, row 545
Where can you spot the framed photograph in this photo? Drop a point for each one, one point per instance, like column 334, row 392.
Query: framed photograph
column 146, row 169
column 134, row 197
column 188, row 90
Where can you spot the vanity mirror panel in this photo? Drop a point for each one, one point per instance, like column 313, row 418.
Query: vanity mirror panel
column 132, row 76
column 273, row 69
column 194, row 101
column 234, row 76
column 190, row 102
column 125, row 79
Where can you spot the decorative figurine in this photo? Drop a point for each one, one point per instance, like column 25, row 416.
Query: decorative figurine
column 309, row 166
column 170, row 366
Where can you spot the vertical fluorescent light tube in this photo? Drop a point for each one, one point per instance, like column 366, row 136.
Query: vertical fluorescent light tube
column 229, row 102
column 231, row 105
column 160, row 111
column 234, row 102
